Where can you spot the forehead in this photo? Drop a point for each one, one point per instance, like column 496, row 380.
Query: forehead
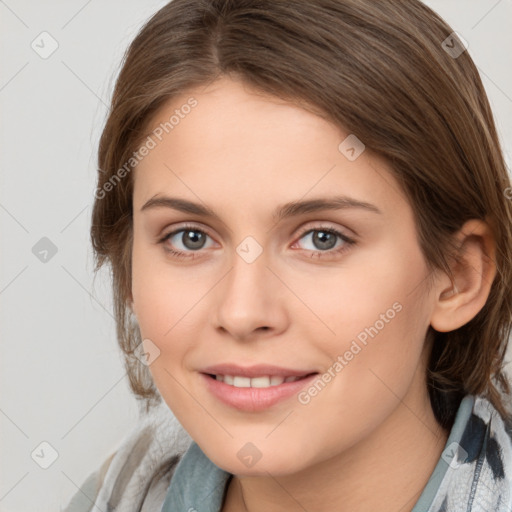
column 238, row 145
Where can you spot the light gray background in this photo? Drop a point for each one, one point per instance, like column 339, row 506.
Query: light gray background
column 61, row 374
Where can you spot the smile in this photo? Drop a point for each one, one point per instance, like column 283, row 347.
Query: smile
column 254, row 394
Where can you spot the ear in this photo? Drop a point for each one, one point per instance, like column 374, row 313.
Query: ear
column 459, row 301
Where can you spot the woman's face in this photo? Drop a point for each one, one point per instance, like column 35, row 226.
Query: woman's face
column 271, row 277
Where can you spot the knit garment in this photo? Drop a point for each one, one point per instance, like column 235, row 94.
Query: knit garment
column 159, row 468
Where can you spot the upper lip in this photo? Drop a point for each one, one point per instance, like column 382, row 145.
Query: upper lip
column 255, row 371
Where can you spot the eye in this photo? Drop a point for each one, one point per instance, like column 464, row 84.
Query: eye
column 323, row 239
column 183, row 242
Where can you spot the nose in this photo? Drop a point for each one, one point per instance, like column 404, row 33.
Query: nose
column 250, row 300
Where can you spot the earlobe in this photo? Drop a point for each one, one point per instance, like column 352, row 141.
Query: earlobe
column 473, row 274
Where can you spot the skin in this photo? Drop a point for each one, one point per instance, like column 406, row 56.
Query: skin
column 242, row 154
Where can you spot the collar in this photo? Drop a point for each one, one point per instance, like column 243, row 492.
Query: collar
column 197, row 485
column 451, row 451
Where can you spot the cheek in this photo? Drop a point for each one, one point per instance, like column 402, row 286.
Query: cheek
column 161, row 305
column 368, row 287
column 155, row 301
column 377, row 313
column 169, row 302
column 373, row 364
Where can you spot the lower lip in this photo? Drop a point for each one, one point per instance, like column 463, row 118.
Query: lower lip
column 254, row 399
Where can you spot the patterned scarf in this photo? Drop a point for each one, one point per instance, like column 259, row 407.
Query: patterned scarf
column 474, row 473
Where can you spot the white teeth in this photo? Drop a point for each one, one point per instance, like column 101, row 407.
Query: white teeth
column 241, row 382
column 256, row 382
column 265, row 382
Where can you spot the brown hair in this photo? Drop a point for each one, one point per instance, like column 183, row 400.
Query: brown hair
column 381, row 71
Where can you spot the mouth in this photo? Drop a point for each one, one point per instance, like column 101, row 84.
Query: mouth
column 256, row 393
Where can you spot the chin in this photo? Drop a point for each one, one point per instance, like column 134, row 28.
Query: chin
column 270, row 464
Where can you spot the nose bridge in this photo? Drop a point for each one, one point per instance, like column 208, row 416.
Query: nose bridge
column 247, row 282
column 247, row 299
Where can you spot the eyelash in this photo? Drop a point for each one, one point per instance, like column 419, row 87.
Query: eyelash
column 348, row 242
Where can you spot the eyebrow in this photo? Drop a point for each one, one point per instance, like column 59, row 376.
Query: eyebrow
column 291, row 209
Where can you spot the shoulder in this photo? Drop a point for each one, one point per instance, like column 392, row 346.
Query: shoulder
column 138, row 473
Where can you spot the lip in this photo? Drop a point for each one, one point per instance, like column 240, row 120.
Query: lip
column 253, row 399
column 255, row 371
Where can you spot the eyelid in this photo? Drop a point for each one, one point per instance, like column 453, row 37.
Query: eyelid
column 312, row 225
column 323, row 224
column 183, row 227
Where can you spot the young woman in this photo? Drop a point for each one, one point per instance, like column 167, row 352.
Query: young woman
column 308, row 220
